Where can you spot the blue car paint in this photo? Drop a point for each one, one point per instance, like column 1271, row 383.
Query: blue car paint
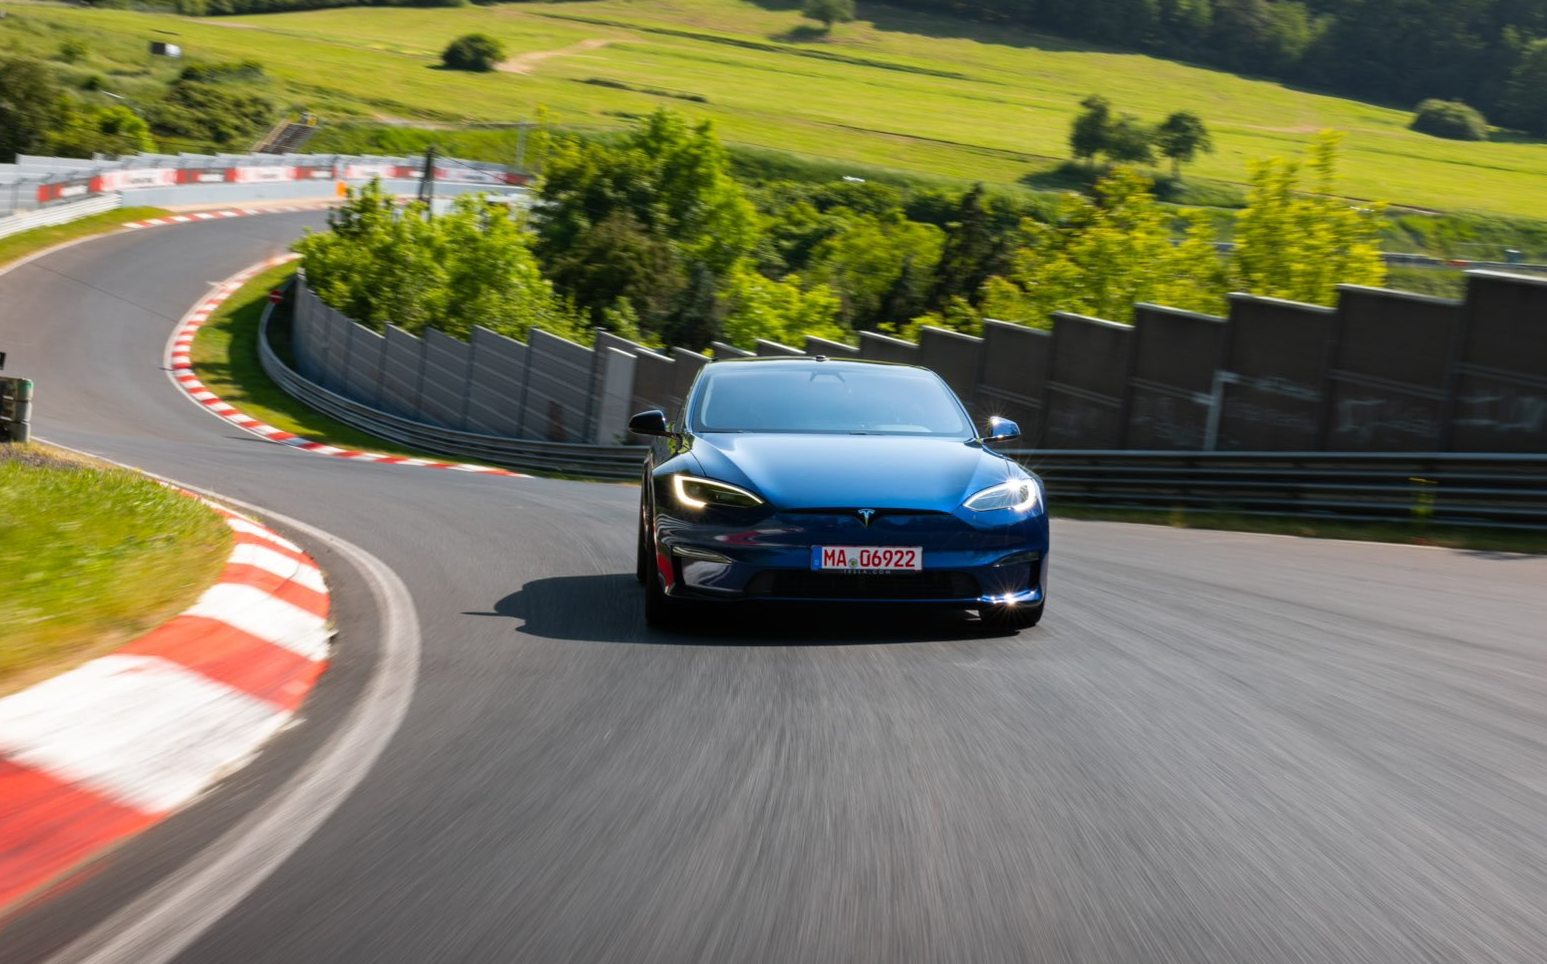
column 813, row 485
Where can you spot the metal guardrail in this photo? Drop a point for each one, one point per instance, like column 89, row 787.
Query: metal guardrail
column 1473, row 490
column 59, row 214
column 565, row 458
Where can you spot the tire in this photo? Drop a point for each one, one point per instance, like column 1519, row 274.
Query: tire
column 660, row 612
column 1010, row 619
column 642, row 554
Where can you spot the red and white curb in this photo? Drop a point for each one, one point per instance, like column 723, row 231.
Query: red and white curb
column 99, row 753
column 180, row 363
column 193, row 217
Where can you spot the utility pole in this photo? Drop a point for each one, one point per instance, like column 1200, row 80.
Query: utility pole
column 427, row 181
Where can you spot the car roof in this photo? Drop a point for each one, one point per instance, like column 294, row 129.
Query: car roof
column 811, row 360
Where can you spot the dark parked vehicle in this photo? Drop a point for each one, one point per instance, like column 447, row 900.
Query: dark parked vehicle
column 817, row 480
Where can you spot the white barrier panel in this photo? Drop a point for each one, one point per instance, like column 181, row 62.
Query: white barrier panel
column 363, row 172
column 144, row 177
column 60, row 214
column 253, row 175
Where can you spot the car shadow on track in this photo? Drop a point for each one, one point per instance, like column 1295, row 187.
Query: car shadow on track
column 610, row 609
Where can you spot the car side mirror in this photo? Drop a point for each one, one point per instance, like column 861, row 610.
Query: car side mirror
column 652, row 422
column 1001, row 430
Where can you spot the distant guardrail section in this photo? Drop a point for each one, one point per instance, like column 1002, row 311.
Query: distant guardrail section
column 38, row 183
column 60, row 214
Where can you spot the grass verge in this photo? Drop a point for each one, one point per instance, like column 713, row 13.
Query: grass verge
column 22, row 244
column 93, row 556
column 225, row 356
column 1447, row 537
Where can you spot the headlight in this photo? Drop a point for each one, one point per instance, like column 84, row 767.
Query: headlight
column 1022, row 495
column 695, row 493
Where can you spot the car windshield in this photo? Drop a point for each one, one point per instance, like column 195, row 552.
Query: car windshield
column 827, row 398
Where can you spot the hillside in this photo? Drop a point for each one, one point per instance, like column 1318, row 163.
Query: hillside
column 902, row 90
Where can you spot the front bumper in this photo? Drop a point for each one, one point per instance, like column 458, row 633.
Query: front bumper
column 968, row 562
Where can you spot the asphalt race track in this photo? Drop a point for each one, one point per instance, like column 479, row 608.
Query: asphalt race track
column 1217, row 747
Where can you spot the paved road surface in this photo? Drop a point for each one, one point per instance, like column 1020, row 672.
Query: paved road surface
column 1217, row 747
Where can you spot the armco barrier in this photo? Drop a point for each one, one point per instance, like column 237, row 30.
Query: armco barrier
column 595, row 461
column 60, row 214
column 1486, row 491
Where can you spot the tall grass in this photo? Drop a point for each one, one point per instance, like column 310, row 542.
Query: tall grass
column 93, row 556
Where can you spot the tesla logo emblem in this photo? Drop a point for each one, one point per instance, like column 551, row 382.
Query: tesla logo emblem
column 865, row 516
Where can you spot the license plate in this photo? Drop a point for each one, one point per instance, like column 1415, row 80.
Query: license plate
column 868, row 558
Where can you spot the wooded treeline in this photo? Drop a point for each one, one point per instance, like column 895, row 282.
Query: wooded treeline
column 1491, row 54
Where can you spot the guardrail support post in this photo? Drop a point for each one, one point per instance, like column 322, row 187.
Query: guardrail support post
column 15, row 409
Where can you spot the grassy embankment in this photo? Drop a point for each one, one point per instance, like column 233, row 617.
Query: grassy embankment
column 905, row 91
column 225, row 356
column 93, row 556
column 26, row 242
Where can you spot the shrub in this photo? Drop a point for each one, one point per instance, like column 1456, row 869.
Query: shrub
column 223, row 71
column 73, row 50
column 1450, row 118
column 474, row 51
column 828, row 12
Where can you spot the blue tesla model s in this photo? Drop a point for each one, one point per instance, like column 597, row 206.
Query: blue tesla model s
column 817, row 480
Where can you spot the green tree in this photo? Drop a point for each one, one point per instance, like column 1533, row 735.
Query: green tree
column 473, row 51
column 114, row 130
column 620, row 260
column 978, row 241
column 1129, row 141
column 699, row 316
column 214, row 113
column 382, row 265
column 864, row 262
column 785, row 311
column 32, row 103
column 1301, row 246
column 673, row 181
column 828, row 12
column 1122, row 139
column 1525, row 97
column 1088, row 133
column 1181, row 137
column 1105, row 255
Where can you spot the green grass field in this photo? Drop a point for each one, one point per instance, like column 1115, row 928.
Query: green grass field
column 902, row 90
column 94, row 556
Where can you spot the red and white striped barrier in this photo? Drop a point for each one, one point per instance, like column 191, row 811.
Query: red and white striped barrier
column 100, row 752
column 180, row 362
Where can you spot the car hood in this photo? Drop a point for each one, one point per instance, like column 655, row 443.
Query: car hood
column 848, row 471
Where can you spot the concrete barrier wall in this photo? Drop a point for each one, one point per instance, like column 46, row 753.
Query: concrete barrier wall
column 1392, row 360
column 1275, row 375
column 1171, row 389
column 1086, row 385
column 1501, row 390
column 1383, row 372
column 1013, row 378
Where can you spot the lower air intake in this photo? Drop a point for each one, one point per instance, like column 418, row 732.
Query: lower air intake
column 796, row 584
